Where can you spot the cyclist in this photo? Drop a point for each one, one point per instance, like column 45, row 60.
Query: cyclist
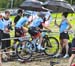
column 19, row 27
column 34, row 28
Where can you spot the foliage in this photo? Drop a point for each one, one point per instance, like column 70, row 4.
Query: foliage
column 16, row 3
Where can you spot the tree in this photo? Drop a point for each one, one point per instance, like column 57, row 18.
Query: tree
column 16, row 3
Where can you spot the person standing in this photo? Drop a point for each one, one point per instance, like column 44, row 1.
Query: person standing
column 6, row 32
column 19, row 14
column 16, row 19
column 64, row 27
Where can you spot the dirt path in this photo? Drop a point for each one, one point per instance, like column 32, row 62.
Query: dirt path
column 63, row 62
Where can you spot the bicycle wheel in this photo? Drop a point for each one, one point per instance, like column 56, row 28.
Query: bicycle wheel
column 24, row 50
column 52, row 46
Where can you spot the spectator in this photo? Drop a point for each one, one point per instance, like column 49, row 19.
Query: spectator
column 6, row 33
column 20, row 13
column 64, row 37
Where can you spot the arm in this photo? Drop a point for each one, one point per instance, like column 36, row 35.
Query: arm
column 70, row 26
column 46, row 27
column 56, row 23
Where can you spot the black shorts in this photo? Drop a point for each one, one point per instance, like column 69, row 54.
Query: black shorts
column 73, row 46
column 64, row 35
column 33, row 31
column 5, row 43
column 1, row 36
column 20, row 33
column 16, row 36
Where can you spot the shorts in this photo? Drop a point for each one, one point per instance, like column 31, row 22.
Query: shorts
column 64, row 35
column 34, row 32
column 1, row 36
column 20, row 32
column 73, row 46
column 16, row 36
column 5, row 43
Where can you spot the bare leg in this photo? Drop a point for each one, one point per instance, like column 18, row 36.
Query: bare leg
column 40, row 42
column 60, row 49
column 61, row 46
column 71, row 59
column 0, row 59
column 65, row 44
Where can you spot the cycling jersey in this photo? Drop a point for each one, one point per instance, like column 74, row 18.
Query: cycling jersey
column 36, row 22
column 21, row 22
column 6, row 22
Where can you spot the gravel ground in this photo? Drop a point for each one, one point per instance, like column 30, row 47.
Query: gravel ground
column 45, row 62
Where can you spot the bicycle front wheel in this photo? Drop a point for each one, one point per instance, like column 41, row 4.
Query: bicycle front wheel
column 23, row 50
column 52, row 46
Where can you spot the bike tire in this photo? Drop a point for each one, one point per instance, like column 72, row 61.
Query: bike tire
column 47, row 42
column 26, row 50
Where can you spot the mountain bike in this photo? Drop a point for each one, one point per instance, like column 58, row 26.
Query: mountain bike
column 29, row 48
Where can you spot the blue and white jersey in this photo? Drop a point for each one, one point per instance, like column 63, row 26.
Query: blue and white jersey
column 21, row 22
column 6, row 22
column 36, row 22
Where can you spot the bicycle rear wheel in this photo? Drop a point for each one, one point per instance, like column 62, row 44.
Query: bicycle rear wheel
column 24, row 51
column 52, row 46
